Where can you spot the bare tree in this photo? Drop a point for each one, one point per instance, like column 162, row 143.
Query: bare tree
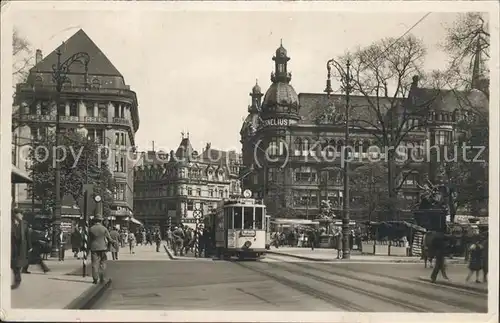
column 22, row 59
column 383, row 74
column 468, row 44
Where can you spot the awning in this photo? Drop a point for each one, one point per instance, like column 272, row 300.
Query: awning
column 19, row 176
column 133, row 220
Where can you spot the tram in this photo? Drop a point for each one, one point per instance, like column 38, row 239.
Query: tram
column 240, row 228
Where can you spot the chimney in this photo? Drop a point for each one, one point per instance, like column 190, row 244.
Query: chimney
column 38, row 56
column 208, row 146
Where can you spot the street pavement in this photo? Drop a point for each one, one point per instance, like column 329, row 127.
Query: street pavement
column 324, row 254
column 54, row 290
column 275, row 284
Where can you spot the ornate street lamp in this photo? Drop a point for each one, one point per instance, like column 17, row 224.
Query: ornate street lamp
column 59, row 75
column 345, row 79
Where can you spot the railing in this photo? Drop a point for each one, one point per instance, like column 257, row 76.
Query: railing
column 75, row 89
column 71, row 119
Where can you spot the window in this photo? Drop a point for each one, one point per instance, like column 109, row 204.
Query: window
column 73, row 108
column 198, row 191
column 443, row 138
column 190, row 191
column 89, row 107
column 221, row 193
column 117, row 138
column 237, row 217
column 117, row 111
column 120, row 192
column 190, row 205
column 44, row 107
column 95, row 83
column 229, row 217
column 123, row 142
column 61, row 109
column 102, row 110
column 211, row 192
column 120, row 164
column 248, row 218
column 259, row 218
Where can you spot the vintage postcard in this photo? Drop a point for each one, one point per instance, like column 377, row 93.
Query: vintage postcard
column 249, row 161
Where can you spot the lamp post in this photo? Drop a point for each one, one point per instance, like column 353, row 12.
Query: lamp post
column 345, row 78
column 59, row 75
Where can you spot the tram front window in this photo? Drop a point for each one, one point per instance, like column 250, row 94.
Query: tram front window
column 238, row 217
column 259, row 219
column 248, row 218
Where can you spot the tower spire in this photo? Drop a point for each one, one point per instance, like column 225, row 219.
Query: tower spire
column 476, row 73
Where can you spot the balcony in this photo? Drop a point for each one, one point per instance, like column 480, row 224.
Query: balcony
column 71, row 119
column 25, row 87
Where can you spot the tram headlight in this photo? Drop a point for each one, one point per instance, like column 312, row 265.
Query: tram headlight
column 247, row 244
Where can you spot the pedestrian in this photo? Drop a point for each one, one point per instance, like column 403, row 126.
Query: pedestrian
column 178, row 236
column 76, row 242
column 485, row 258
column 35, row 256
column 340, row 244
column 169, row 238
column 438, row 245
column 131, row 242
column 20, row 244
column 157, row 238
column 61, row 241
column 115, row 243
column 475, row 261
column 99, row 238
column 312, row 238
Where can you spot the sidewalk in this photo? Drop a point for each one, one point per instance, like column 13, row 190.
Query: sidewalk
column 322, row 254
column 55, row 289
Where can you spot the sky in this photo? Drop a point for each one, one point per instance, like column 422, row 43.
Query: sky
column 193, row 71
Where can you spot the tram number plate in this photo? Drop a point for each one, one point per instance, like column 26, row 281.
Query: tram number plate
column 247, row 233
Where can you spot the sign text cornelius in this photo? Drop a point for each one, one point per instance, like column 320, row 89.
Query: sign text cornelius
column 276, row 122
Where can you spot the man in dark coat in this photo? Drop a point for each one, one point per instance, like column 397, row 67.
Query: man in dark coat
column 439, row 245
column 115, row 243
column 99, row 238
column 20, row 246
column 35, row 256
column 76, row 242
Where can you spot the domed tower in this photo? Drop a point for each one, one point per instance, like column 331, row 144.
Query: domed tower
column 281, row 100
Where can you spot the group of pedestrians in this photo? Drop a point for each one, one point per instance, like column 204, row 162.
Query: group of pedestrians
column 182, row 239
column 477, row 259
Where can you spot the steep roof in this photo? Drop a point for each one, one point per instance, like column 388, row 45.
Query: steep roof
column 80, row 42
column 185, row 150
column 313, row 105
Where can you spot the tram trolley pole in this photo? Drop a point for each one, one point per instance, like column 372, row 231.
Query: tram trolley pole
column 198, row 214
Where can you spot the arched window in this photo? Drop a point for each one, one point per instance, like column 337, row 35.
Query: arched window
column 38, row 80
column 297, row 146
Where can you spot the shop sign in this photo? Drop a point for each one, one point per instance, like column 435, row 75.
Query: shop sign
column 276, row 122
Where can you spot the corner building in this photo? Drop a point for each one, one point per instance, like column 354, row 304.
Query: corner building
column 102, row 107
column 169, row 186
column 303, row 135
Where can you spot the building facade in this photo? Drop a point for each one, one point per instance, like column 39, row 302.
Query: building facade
column 292, row 143
column 168, row 187
column 99, row 105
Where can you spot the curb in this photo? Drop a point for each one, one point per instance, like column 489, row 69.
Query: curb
column 169, row 253
column 452, row 284
column 89, row 297
column 410, row 261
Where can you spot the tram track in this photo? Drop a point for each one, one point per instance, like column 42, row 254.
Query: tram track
column 344, row 272
column 303, row 288
column 345, row 286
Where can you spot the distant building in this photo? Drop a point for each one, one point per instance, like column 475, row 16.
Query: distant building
column 105, row 110
column 303, row 135
column 170, row 186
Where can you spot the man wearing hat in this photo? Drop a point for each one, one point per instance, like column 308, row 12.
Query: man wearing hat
column 99, row 238
column 20, row 243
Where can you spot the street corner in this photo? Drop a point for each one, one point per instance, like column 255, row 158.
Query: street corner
column 170, row 254
column 90, row 297
column 474, row 287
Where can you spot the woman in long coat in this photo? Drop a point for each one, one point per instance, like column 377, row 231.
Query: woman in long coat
column 114, row 244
